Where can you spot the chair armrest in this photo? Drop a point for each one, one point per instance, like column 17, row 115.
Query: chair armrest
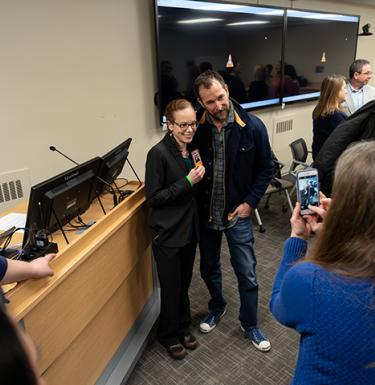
column 301, row 163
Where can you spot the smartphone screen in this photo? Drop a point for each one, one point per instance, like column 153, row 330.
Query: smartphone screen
column 308, row 189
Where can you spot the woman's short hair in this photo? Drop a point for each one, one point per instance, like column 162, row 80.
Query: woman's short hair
column 347, row 241
column 176, row 105
column 15, row 366
column 329, row 91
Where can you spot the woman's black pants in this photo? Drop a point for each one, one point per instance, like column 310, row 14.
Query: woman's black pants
column 175, row 269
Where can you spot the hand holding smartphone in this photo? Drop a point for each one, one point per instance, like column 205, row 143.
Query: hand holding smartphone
column 307, row 186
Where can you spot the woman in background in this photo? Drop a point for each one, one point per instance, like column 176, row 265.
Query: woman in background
column 327, row 114
column 329, row 296
column 170, row 194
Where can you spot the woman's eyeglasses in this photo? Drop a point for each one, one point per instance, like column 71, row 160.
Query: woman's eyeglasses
column 185, row 125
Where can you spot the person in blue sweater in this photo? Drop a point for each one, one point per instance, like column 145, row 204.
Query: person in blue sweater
column 327, row 114
column 328, row 296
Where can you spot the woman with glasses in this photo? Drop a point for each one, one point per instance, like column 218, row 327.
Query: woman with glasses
column 327, row 114
column 170, row 193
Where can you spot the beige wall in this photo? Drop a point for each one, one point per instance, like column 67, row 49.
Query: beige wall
column 81, row 75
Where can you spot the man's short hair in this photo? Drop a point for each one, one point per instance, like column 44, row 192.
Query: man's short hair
column 206, row 79
column 357, row 66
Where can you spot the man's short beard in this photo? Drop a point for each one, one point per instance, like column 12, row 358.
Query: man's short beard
column 221, row 120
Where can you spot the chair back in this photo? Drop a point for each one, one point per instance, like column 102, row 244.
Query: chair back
column 299, row 152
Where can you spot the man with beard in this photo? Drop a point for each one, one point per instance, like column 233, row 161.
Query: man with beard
column 359, row 92
column 236, row 153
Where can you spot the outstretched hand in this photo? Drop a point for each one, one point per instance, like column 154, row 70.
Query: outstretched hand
column 40, row 266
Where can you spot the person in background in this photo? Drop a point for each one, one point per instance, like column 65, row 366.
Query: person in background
column 328, row 296
column 235, row 150
column 170, row 193
column 18, row 355
column 359, row 91
column 236, row 87
column 327, row 114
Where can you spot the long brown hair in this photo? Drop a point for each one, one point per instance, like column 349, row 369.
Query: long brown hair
column 329, row 92
column 346, row 244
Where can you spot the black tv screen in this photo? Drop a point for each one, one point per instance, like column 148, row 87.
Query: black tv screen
column 197, row 35
column 317, row 45
column 279, row 55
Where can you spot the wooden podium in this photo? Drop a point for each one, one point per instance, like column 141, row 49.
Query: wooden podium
column 102, row 292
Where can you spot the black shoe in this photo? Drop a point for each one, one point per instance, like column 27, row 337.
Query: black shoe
column 189, row 342
column 177, row 352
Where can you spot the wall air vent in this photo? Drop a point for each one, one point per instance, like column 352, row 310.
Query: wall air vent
column 14, row 187
column 284, row 126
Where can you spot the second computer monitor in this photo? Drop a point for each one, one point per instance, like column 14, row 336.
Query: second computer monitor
column 113, row 163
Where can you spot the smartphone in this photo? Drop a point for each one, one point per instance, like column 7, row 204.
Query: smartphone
column 196, row 158
column 307, row 187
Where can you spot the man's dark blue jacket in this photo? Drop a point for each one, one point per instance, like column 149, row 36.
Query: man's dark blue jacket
column 248, row 161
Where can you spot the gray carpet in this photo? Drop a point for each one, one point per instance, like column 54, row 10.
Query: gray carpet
column 225, row 356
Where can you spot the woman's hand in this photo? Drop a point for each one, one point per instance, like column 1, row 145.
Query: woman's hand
column 320, row 212
column 300, row 227
column 196, row 174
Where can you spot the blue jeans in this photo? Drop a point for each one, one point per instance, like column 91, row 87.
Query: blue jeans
column 240, row 241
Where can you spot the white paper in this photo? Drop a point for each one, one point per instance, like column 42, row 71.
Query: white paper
column 12, row 219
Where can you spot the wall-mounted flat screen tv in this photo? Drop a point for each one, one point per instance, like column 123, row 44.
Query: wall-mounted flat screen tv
column 316, row 45
column 194, row 36
column 279, row 55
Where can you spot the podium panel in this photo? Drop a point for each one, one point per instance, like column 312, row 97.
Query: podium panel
column 102, row 281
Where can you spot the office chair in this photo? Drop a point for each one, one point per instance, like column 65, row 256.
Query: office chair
column 299, row 155
column 278, row 184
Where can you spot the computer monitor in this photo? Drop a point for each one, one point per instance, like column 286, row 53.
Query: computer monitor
column 113, row 163
column 61, row 198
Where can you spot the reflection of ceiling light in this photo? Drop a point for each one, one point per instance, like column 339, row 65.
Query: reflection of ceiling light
column 321, row 16
column 229, row 62
column 249, row 22
column 272, row 13
column 323, row 59
column 202, row 20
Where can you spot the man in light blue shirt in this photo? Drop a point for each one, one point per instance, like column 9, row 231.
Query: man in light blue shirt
column 358, row 91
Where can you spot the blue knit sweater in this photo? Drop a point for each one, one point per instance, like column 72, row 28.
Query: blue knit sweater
column 334, row 315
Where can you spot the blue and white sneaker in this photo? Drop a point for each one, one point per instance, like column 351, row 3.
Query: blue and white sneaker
column 258, row 339
column 210, row 321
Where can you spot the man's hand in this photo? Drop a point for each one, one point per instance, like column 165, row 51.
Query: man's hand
column 40, row 266
column 242, row 211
